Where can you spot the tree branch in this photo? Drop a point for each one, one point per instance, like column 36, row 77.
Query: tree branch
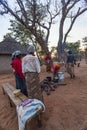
column 73, row 21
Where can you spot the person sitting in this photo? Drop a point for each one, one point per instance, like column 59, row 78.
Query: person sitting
column 56, row 67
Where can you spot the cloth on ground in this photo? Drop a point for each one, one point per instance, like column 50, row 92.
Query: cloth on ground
column 28, row 109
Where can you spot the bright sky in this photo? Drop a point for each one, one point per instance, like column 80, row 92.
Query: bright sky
column 78, row 32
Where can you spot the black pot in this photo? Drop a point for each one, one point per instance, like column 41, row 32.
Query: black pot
column 49, row 78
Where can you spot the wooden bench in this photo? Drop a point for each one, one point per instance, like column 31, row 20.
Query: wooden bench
column 16, row 100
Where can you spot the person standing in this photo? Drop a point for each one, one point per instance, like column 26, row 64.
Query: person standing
column 17, row 69
column 31, row 70
column 70, row 64
column 48, row 61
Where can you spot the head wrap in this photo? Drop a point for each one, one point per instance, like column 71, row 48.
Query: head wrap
column 13, row 54
column 31, row 49
column 16, row 53
column 69, row 52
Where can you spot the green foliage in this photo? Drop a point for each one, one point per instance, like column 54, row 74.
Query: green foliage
column 8, row 35
column 37, row 16
column 35, row 13
column 85, row 42
column 75, row 47
column 20, row 33
column 84, row 39
column 53, row 52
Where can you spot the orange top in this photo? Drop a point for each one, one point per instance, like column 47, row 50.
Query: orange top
column 55, row 67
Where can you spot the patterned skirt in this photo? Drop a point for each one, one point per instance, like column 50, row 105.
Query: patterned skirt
column 33, row 87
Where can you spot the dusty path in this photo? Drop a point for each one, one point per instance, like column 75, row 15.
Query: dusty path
column 66, row 108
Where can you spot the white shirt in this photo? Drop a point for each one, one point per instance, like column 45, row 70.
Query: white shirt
column 30, row 63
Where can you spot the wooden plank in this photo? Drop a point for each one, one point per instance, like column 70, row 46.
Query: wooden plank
column 22, row 97
column 34, row 123
column 9, row 92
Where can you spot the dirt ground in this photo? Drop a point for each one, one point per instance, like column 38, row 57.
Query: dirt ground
column 66, row 107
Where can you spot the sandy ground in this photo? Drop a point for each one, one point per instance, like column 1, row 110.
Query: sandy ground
column 66, row 107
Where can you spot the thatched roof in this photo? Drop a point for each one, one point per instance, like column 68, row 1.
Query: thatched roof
column 9, row 45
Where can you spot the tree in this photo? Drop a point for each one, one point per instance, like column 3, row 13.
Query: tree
column 75, row 47
column 85, row 42
column 20, row 33
column 71, row 9
column 53, row 52
column 35, row 16
column 84, row 39
column 8, row 35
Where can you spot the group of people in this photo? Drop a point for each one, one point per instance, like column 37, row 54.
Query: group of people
column 70, row 62
column 26, row 71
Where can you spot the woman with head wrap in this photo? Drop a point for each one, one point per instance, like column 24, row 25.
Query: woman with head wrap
column 17, row 69
column 31, row 69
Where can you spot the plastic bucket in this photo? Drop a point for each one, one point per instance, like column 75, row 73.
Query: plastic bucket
column 61, row 76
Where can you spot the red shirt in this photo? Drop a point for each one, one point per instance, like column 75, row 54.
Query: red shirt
column 17, row 66
column 47, row 58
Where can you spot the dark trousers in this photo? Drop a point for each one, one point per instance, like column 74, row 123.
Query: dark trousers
column 20, row 84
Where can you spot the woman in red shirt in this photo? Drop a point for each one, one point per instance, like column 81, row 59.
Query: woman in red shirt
column 19, row 76
column 48, row 62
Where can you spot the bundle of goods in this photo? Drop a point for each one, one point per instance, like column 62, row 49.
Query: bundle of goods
column 47, row 85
